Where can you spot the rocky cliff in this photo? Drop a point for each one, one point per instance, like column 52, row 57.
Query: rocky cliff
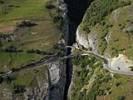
column 94, row 63
column 110, row 36
column 104, row 38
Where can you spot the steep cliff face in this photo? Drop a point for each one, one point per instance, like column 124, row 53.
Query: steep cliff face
column 76, row 9
column 75, row 13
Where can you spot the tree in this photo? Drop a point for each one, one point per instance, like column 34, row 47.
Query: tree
column 121, row 98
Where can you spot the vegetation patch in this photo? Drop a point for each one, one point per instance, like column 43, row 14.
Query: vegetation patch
column 111, row 21
column 92, row 82
column 99, row 9
column 15, row 60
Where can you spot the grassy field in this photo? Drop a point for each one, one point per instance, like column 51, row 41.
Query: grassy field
column 46, row 31
column 42, row 36
column 29, row 78
column 14, row 60
column 26, row 9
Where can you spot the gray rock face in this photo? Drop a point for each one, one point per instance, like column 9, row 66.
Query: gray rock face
column 57, row 81
column 37, row 93
column 7, row 37
column 57, row 70
column 54, row 73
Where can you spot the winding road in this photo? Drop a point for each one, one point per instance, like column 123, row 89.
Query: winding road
column 44, row 61
column 106, row 62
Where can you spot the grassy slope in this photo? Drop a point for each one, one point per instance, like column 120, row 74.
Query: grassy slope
column 46, row 32
column 42, row 37
column 14, row 60
column 98, row 20
column 121, row 40
column 26, row 9
column 94, row 83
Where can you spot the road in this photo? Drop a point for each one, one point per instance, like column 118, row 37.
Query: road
column 106, row 62
column 37, row 64
column 42, row 62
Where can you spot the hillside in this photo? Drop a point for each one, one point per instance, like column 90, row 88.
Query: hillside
column 106, row 36
column 28, row 35
column 66, row 49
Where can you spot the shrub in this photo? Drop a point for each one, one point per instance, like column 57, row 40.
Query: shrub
column 1, row 79
column 19, row 89
column 121, row 98
column 1, row 2
column 49, row 5
column 101, row 8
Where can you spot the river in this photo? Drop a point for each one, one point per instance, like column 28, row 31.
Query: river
column 75, row 12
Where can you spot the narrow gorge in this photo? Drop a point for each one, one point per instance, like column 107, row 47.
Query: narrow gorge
column 75, row 12
column 66, row 49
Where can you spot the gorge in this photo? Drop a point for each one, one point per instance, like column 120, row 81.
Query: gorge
column 66, row 49
column 75, row 13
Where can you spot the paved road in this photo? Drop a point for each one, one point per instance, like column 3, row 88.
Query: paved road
column 106, row 62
